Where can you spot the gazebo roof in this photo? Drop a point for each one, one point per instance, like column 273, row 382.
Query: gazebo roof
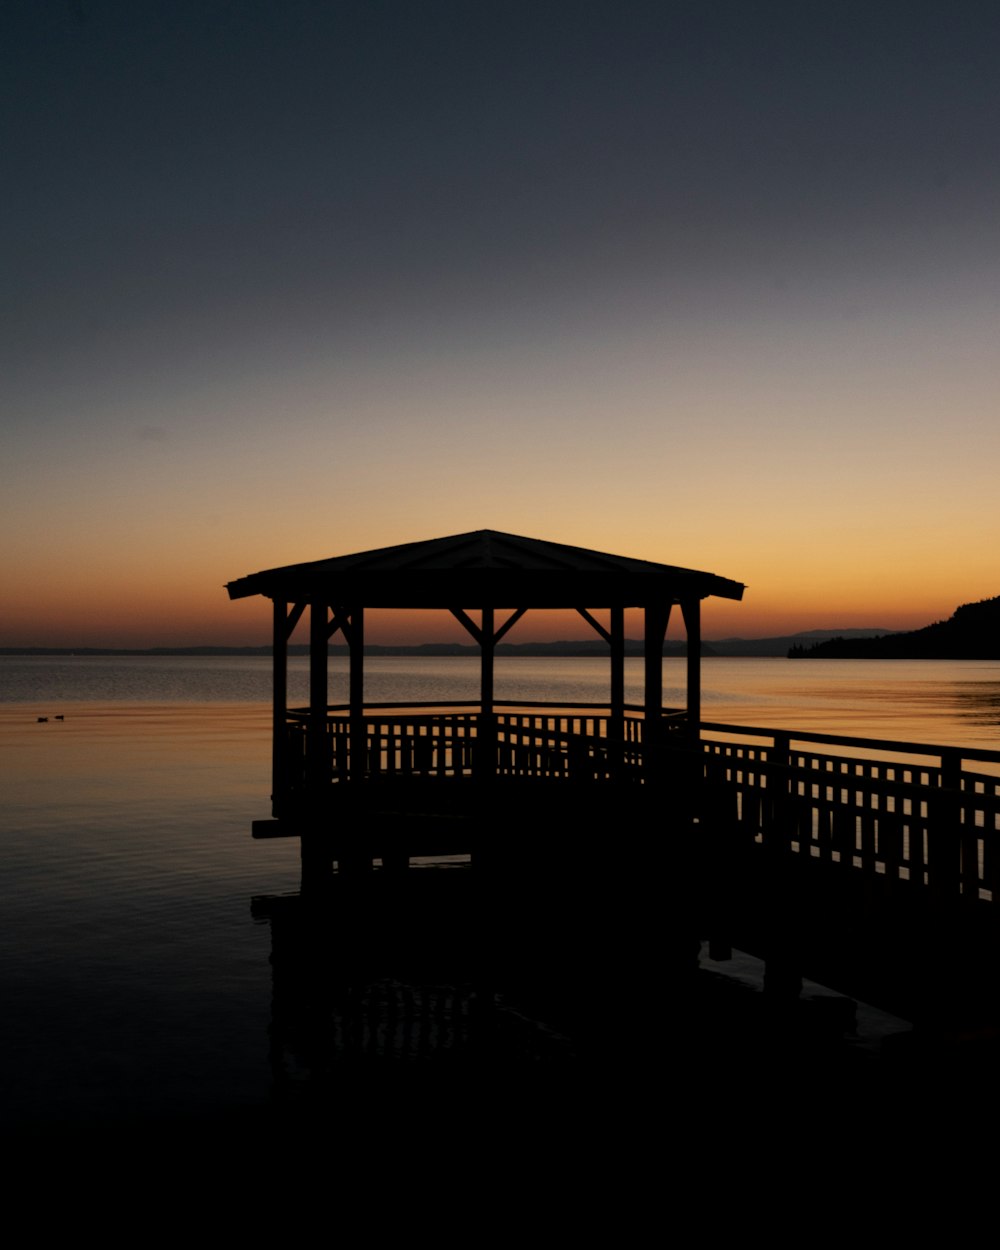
column 484, row 568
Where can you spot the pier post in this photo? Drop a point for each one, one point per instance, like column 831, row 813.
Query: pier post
column 657, row 618
column 317, row 751
column 356, row 695
column 616, row 725
column 487, row 745
column 279, row 731
column 316, row 853
column 782, row 968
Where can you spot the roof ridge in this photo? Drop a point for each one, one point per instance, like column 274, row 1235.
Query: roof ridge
column 494, row 563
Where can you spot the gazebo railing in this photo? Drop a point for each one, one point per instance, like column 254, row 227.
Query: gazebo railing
column 520, row 739
column 553, row 746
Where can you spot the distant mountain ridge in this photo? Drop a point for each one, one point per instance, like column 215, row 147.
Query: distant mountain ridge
column 577, row 648
column 972, row 632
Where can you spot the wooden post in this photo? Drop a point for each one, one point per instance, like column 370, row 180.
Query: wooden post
column 279, row 735
column 781, row 907
column 944, row 839
column 487, row 724
column 356, row 695
column 689, row 773
column 691, row 608
column 314, row 842
column 316, row 753
column 657, row 617
column 616, row 725
column 486, row 653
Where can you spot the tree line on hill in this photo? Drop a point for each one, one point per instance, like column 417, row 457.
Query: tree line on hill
column 972, row 632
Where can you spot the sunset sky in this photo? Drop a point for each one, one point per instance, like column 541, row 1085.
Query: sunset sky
column 714, row 283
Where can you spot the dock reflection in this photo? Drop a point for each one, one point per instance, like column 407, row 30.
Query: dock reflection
column 449, row 969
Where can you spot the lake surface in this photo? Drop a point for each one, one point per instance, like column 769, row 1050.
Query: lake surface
column 951, row 702
column 135, row 980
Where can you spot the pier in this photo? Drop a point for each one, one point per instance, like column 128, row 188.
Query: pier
column 866, row 865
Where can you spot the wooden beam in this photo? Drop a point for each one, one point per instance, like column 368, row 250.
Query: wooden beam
column 468, row 624
column 342, row 621
column 508, row 624
column 595, row 624
column 293, row 618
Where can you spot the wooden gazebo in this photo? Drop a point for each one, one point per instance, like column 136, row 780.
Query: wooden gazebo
column 336, row 766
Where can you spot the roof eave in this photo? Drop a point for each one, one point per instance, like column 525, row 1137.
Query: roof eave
column 443, row 589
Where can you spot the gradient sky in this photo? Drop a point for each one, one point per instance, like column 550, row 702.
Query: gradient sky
column 712, row 283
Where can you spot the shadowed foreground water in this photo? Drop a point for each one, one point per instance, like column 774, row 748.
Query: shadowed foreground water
column 140, row 996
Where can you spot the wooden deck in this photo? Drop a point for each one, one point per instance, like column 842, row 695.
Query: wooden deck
column 871, row 866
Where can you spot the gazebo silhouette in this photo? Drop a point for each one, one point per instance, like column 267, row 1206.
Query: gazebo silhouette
column 346, row 774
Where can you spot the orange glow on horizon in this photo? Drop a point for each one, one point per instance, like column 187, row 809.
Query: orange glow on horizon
column 164, row 622
column 138, row 593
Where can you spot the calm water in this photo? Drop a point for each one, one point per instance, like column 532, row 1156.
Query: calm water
column 936, row 701
column 135, row 980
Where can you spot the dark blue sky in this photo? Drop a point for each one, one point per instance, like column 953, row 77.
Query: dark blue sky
column 617, row 274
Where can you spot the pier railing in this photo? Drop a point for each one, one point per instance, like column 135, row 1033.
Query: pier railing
column 907, row 813
column 871, row 866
